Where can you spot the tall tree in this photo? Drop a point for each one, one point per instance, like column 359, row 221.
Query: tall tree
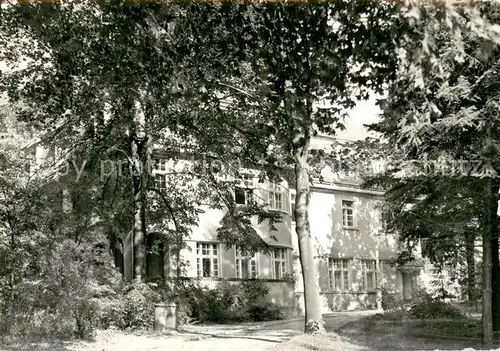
column 301, row 56
column 118, row 79
column 440, row 110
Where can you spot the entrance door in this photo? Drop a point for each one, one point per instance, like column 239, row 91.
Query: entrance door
column 407, row 285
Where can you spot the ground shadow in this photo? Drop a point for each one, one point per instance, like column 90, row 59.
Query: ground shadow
column 43, row 346
column 392, row 341
column 248, row 335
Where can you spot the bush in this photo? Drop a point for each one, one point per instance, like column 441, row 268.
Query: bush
column 435, row 309
column 138, row 308
column 421, row 306
column 40, row 325
column 264, row 312
column 131, row 308
column 220, row 303
column 389, row 301
column 60, row 300
column 225, row 303
column 110, row 313
column 253, row 291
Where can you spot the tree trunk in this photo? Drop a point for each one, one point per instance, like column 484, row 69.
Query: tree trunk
column 495, row 268
column 487, row 263
column 141, row 154
column 12, row 280
column 495, row 271
column 471, row 269
column 139, row 234
column 313, row 317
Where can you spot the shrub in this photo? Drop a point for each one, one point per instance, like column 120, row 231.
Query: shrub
column 110, row 313
column 138, row 308
column 421, row 306
column 59, row 301
column 253, row 290
column 225, row 303
column 264, row 312
column 435, row 309
column 191, row 300
column 220, row 302
column 132, row 307
column 389, row 301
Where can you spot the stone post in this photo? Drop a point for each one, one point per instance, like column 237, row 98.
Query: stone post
column 165, row 316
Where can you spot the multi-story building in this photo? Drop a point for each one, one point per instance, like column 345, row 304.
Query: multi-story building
column 206, row 258
column 352, row 252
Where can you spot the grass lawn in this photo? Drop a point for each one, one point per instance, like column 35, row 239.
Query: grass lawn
column 305, row 342
column 472, row 310
column 376, row 332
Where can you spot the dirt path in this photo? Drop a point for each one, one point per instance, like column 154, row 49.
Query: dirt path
column 196, row 338
column 248, row 336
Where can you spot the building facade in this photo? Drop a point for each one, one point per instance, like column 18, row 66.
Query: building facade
column 352, row 252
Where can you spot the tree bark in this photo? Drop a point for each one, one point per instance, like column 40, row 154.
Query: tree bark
column 139, row 233
column 12, row 280
column 471, row 269
column 141, row 154
column 313, row 316
column 487, row 265
column 495, row 259
column 495, row 271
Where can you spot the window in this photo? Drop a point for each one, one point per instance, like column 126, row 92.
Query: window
column 243, row 192
column 275, row 196
column 207, row 260
column 369, row 274
column 246, row 265
column 247, row 181
column 338, row 274
column 279, row 263
column 161, row 165
column 160, row 181
column 292, row 202
column 348, row 214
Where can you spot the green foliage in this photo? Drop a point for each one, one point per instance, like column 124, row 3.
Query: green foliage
column 226, row 302
column 264, row 312
column 138, row 306
column 62, row 296
column 253, row 290
column 389, row 301
column 421, row 306
column 131, row 307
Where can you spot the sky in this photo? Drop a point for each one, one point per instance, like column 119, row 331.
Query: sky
column 365, row 112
